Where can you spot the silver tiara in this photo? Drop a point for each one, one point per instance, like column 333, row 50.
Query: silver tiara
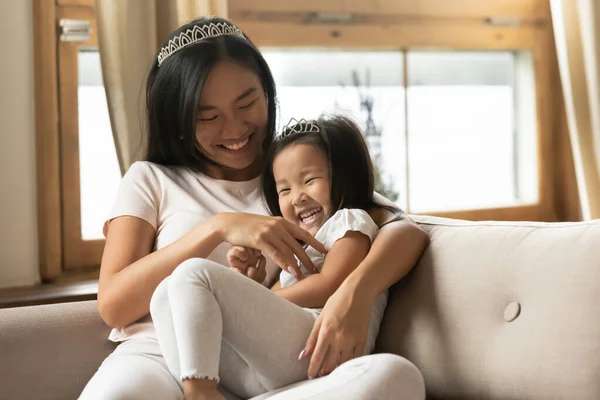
column 197, row 34
column 299, row 126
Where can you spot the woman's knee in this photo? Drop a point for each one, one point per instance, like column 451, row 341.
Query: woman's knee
column 385, row 375
column 398, row 372
column 132, row 377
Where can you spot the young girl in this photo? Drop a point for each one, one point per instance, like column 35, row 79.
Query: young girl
column 319, row 176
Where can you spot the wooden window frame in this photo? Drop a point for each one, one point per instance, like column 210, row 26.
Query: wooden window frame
column 47, row 139
column 433, row 33
column 77, row 253
column 61, row 246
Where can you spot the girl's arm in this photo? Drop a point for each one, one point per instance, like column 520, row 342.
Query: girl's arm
column 343, row 258
column 340, row 332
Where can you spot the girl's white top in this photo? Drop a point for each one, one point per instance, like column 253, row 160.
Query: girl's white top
column 335, row 228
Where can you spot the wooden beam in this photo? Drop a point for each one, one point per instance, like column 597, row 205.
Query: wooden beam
column 81, row 3
column 415, row 35
column 47, row 139
column 527, row 9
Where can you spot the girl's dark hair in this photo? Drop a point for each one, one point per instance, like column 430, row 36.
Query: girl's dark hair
column 350, row 166
column 173, row 93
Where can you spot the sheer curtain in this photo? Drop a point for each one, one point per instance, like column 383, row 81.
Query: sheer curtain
column 576, row 29
column 129, row 34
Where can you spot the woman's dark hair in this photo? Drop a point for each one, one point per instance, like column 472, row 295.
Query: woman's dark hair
column 173, row 93
column 350, row 166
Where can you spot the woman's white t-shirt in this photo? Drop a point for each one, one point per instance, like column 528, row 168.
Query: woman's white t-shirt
column 174, row 200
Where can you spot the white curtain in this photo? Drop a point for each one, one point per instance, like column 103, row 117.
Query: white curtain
column 576, row 29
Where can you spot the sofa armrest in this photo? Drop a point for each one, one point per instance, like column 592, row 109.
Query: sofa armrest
column 50, row 351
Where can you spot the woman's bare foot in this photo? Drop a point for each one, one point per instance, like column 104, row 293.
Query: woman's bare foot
column 201, row 389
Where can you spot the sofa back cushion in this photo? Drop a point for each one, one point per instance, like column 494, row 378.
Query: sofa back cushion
column 498, row 310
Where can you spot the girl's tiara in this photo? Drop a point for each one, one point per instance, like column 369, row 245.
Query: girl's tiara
column 301, row 126
column 198, row 34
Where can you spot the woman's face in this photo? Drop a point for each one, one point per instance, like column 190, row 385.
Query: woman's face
column 232, row 121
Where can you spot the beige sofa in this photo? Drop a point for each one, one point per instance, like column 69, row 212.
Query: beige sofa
column 492, row 311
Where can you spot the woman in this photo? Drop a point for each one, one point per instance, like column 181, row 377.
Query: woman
column 211, row 107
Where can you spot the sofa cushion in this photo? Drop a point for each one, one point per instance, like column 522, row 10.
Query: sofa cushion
column 498, row 310
column 50, row 351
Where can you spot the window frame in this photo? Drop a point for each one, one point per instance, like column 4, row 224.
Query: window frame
column 77, row 252
column 61, row 248
column 459, row 35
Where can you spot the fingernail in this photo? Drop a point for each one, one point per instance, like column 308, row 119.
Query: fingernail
column 327, row 248
column 291, row 271
column 301, row 356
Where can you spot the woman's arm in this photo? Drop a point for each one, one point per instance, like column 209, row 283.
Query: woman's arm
column 129, row 272
column 395, row 251
column 343, row 258
column 341, row 330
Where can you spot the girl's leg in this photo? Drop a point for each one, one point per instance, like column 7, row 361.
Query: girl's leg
column 265, row 333
column 135, row 370
column 160, row 308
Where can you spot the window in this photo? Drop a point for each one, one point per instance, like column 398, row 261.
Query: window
column 459, row 134
column 367, row 86
column 98, row 165
column 453, row 133
column 467, row 147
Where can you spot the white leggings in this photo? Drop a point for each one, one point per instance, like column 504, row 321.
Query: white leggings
column 206, row 322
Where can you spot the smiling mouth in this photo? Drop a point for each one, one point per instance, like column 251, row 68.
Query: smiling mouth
column 236, row 147
column 310, row 216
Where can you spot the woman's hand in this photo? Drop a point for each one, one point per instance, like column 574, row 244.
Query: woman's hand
column 249, row 262
column 339, row 333
column 273, row 236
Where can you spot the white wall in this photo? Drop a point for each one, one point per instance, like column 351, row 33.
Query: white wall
column 18, row 212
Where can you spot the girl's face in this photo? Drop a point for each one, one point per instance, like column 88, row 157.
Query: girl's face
column 301, row 174
column 232, row 121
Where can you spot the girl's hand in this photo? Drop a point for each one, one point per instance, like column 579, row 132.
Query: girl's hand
column 249, row 262
column 339, row 333
column 273, row 236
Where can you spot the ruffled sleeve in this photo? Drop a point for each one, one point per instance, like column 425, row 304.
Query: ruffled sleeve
column 346, row 220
